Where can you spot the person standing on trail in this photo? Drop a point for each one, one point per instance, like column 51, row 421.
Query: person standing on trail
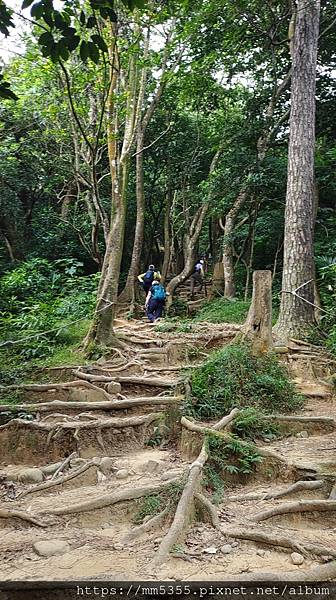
column 155, row 300
column 147, row 278
column 197, row 277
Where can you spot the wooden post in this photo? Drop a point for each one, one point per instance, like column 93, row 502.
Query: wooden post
column 258, row 325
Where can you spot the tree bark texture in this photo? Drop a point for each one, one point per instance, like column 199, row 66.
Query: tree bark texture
column 258, row 326
column 297, row 315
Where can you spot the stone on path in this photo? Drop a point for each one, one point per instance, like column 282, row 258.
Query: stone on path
column 122, row 474
column 51, row 547
column 297, row 559
column 30, row 475
column 106, row 465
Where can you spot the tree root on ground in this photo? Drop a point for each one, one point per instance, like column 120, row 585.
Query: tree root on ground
column 24, row 516
column 154, row 522
column 152, row 381
column 99, row 424
column 109, row 405
column 295, row 487
column 210, row 508
column 59, row 481
column 184, row 508
column 296, row 507
column 47, row 387
column 277, row 539
column 323, row 573
column 65, row 464
column 110, row 499
column 265, row 452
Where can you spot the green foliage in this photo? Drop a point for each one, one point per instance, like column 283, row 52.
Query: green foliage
column 153, row 504
column 222, row 310
column 251, row 423
column 40, row 300
column 232, row 377
column 234, row 457
column 147, row 506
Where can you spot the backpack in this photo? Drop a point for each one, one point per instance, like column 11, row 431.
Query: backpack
column 148, row 277
column 158, row 292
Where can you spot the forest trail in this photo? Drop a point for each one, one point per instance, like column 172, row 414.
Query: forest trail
column 118, row 421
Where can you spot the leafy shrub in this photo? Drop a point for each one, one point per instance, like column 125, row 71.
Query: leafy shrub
column 39, row 296
column 233, row 377
column 147, row 506
column 252, row 424
column 222, row 310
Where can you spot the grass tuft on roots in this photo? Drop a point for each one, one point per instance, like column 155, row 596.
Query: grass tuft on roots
column 233, row 377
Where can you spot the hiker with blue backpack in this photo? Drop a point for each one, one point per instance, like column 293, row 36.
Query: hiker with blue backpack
column 146, row 279
column 155, row 300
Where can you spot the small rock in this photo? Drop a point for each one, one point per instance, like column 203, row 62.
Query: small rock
column 302, row 434
column 235, row 544
column 77, row 462
column 30, row 476
column 118, row 546
column 261, row 552
column 113, row 388
column 106, row 465
column 122, row 474
column 151, row 466
column 51, row 547
column 210, row 550
column 226, row 549
column 158, row 540
column 297, row 559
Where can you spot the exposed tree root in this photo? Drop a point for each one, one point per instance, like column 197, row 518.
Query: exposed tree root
column 295, row 487
column 228, row 437
column 184, row 508
column 296, row 507
column 20, row 514
column 154, row 522
column 210, row 508
column 109, row 499
column 99, row 424
column 304, row 420
column 278, row 539
column 109, row 405
column 65, row 464
column 59, row 481
column 323, row 573
column 152, row 381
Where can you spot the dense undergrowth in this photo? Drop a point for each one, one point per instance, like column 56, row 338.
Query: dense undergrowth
column 43, row 297
column 233, row 377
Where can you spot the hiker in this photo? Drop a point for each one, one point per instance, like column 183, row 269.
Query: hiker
column 197, row 277
column 146, row 279
column 155, row 300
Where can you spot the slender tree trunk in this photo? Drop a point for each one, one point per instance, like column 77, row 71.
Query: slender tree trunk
column 168, row 242
column 230, row 223
column 130, row 291
column 296, row 314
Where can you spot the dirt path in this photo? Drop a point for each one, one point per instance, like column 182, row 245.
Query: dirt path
column 121, row 422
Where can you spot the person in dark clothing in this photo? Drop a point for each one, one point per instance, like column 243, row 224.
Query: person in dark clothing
column 146, row 279
column 197, row 277
column 155, row 300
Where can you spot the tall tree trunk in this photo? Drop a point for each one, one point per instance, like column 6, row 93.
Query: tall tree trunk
column 130, row 291
column 168, row 242
column 296, row 314
column 230, row 223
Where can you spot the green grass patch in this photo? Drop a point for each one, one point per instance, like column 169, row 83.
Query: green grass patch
column 222, row 310
column 251, row 424
column 233, row 377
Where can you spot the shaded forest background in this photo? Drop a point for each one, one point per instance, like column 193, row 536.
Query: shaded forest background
column 185, row 110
